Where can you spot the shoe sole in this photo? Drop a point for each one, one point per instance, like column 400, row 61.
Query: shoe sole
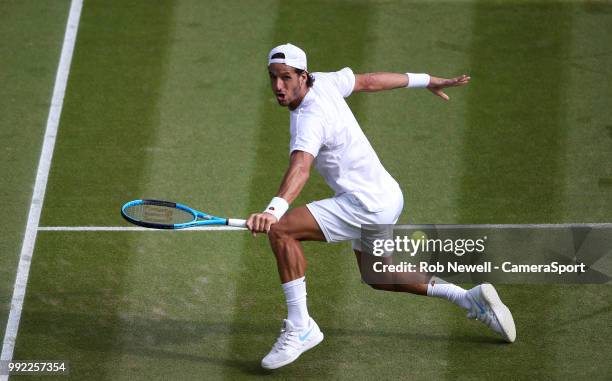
column 502, row 313
column 316, row 339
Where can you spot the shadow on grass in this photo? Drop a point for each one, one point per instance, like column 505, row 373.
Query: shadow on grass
column 155, row 338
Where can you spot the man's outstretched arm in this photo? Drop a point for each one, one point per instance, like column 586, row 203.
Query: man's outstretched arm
column 386, row 81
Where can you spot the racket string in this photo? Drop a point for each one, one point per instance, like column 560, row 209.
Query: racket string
column 159, row 214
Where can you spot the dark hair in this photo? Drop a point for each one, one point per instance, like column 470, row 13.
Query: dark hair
column 311, row 78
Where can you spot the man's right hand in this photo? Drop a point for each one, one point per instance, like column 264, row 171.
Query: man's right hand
column 260, row 222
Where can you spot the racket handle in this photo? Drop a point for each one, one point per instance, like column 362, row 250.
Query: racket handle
column 236, row 223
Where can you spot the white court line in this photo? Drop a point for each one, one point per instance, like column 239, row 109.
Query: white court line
column 40, row 185
column 403, row 226
column 512, row 226
column 131, row 229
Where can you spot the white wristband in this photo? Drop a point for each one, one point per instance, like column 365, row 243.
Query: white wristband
column 418, row 80
column 277, row 207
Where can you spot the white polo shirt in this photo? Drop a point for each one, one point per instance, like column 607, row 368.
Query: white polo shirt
column 324, row 126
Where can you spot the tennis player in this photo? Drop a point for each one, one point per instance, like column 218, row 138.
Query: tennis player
column 325, row 133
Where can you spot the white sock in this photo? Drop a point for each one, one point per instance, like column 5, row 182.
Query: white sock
column 295, row 293
column 441, row 289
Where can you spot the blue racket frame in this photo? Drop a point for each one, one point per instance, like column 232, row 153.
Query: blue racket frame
column 199, row 218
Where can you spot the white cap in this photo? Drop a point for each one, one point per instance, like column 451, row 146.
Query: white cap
column 293, row 56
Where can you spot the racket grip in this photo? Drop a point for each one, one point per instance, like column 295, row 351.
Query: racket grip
column 236, row 223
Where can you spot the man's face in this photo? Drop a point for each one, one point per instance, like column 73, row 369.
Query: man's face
column 287, row 85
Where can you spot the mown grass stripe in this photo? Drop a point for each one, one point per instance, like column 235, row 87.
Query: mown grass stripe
column 32, row 41
column 513, row 168
column 312, row 26
column 110, row 103
column 40, row 184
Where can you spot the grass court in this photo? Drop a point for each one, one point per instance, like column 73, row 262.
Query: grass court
column 171, row 100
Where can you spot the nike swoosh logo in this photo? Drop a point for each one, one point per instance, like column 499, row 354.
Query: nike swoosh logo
column 305, row 336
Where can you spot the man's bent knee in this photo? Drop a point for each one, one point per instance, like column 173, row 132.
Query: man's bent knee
column 297, row 224
column 278, row 232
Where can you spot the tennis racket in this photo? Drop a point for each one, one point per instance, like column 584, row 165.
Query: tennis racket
column 159, row 214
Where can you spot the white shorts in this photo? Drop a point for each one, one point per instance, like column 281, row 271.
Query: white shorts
column 340, row 218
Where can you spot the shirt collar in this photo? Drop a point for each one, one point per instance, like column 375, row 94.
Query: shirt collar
column 308, row 99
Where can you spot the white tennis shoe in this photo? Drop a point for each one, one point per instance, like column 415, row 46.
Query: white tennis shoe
column 487, row 307
column 292, row 343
